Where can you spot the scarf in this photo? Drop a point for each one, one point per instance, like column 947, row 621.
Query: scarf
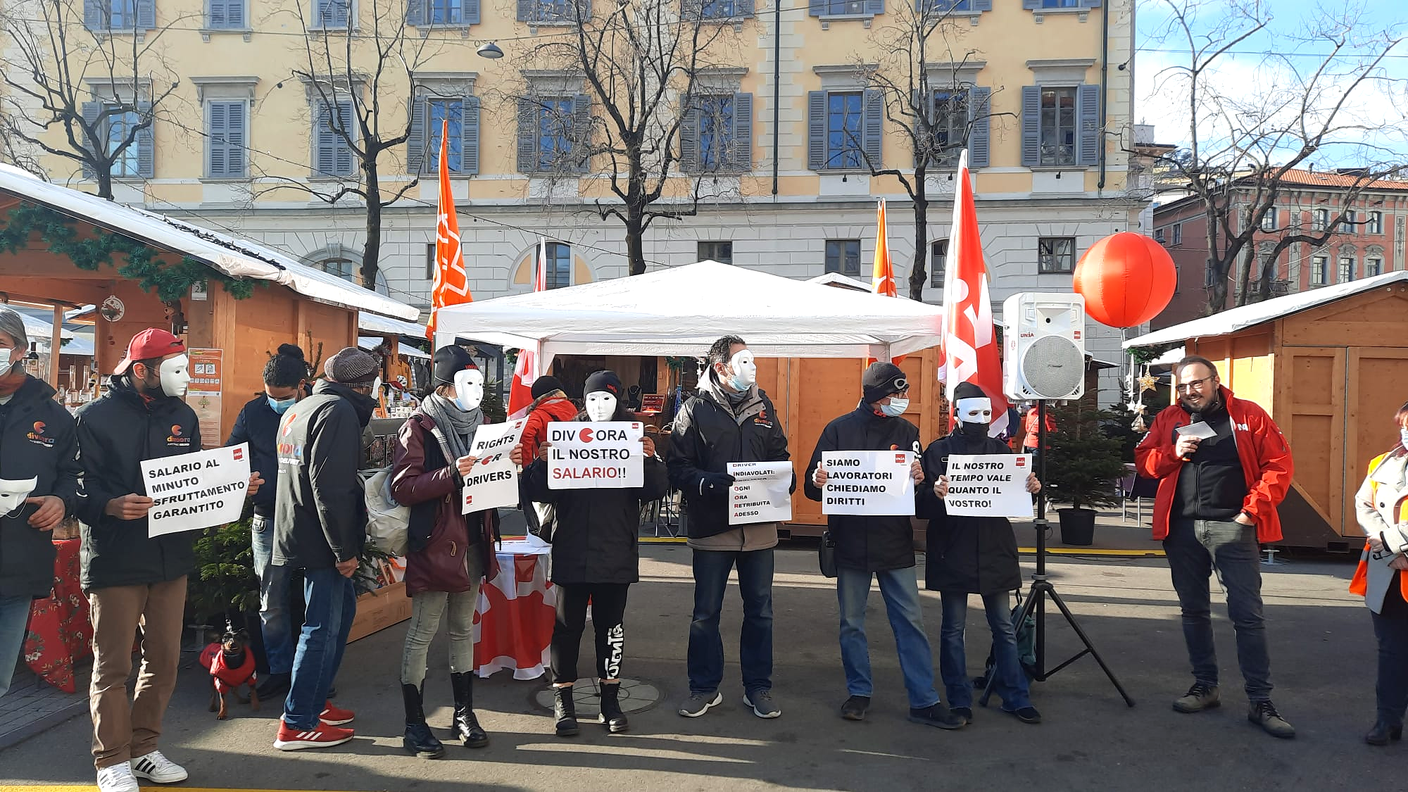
column 456, row 442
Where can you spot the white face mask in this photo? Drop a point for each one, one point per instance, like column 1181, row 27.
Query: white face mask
column 601, row 406
column 12, row 358
column 469, row 389
column 974, row 411
column 896, row 407
column 745, row 371
column 12, row 494
column 175, row 376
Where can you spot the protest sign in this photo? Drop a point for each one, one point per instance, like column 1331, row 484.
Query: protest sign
column 988, row 485
column 760, row 492
column 194, row 491
column 599, row 454
column 493, row 483
column 868, row 483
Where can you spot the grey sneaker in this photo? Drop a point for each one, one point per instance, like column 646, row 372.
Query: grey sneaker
column 1264, row 714
column 699, row 703
column 762, row 704
column 1199, row 697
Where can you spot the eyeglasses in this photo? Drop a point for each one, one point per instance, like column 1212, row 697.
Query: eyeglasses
column 1189, row 387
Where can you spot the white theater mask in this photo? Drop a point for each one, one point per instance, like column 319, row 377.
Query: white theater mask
column 176, row 376
column 974, row 411
column 745, row 370
column 601, row 406
column 469, row 389
column 12, row 494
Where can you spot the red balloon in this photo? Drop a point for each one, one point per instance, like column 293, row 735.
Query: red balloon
column 1126, row 279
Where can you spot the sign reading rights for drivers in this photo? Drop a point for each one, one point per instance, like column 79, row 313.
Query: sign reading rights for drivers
column 988, row 485
column 493, row 483
column 868, row 482
column 604, row 454
column 194, row 491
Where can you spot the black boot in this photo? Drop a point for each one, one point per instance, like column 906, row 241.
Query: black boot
column 418, row 740
column 611, row 713
column 1382, row 732
column 564, row 708
column 466, row 727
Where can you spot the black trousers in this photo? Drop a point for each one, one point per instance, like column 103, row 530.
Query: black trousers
column 1391, row 628
column 608, row 601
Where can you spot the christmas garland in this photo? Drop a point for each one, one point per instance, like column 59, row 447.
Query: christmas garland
column 168, row 282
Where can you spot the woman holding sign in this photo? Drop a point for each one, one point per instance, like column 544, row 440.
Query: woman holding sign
column 594, row 558
column 450, row 552
column 973, row 555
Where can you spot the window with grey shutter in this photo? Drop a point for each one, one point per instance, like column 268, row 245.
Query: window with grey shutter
column 581, row 132
column 689, row 136
column 1031, row 126
column 469, row 135
column 415, row 14
column 873, row 135
column 145, row 141
column 416, row 139
column 743, row 8
column 470, row 12
column 527, row 136
column 92, row 134
column 94, row 15
column 225, row 14
column 980, row 126
column 332, row 153
column 146, row 15
column 1088, row 98
column 816, row 130
column 741, row 145
column 225, row 139
column 332, row 14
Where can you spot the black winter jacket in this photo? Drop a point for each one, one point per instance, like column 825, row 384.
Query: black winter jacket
column 38, row 439
column 871, row 543
column 977, row 555
column 320, row 516
column 595, row 539
column 258, row 425
column 707, row 436
column 116, row 433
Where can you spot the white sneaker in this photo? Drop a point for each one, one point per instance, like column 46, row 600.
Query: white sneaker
column 117, row 778
column 157, row 768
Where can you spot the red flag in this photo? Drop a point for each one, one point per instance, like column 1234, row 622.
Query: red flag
column 451, row 285
column 525, row 372
column 970, row 344
column 882, row 273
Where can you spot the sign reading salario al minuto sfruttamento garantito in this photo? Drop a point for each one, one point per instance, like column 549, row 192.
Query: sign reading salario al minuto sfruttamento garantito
column 868, row 482
column 194, row 491
column 590, row 455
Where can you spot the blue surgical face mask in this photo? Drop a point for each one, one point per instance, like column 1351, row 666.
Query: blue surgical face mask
column 895, row 408
column 280, row 405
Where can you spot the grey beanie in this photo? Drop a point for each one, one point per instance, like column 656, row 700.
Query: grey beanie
column 12, row 325
column 351, row 366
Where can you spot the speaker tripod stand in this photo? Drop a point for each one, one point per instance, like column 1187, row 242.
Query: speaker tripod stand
column 1043, row 589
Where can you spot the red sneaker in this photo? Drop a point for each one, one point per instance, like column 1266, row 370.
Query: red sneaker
column 324, row 736
column 336, row 716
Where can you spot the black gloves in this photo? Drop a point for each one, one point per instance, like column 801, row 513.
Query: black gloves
column 715, row 484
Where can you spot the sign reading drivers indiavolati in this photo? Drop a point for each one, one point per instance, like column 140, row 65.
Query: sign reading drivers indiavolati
column 605, row 454
column 194, row 491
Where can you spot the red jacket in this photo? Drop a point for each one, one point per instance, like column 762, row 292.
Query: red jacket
column 552, row 407
column 1265, row 456
column 1031, row 426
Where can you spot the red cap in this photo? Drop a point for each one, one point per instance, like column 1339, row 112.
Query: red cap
column 148, row 344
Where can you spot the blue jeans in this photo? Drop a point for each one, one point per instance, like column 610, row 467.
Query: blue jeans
column 1009, row 679
column 1194, row 548
column 706, row 647
column 14, row 616
column 900, row 589
column 327, row 619
column 273, row 598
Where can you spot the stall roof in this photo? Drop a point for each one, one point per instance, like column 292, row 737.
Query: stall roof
column 1242, row 317
column 236, row 258
column 369, row 343
column 682, row 310
column 374, row 323
column 81, row 345
column 39, row 330
column 839, row 280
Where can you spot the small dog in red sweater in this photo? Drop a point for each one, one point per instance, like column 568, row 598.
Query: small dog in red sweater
column 231, row 665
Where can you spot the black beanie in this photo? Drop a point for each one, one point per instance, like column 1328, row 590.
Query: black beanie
column 881, row 380
column 544, row 385
column 967, row 390
column 605, row 381
column 448, row 361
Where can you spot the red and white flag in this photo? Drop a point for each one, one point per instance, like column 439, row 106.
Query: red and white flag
column 970, row 351
column 525, row 372
column 451, row 284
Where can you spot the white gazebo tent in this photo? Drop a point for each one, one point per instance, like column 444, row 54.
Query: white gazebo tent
column 682, row 310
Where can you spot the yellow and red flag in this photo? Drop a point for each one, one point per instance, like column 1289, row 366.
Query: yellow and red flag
column 882, row 273
column 451, row 284
column 970, row 344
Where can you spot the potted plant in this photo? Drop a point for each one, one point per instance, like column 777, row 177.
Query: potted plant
column 1082, row 466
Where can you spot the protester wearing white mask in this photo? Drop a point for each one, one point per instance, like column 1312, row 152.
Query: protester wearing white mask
column 131, row 578
column 38, row 486
column 882, row 547
column 450, row 553
column 973, row 555
column 730, row 420
column 594, row 559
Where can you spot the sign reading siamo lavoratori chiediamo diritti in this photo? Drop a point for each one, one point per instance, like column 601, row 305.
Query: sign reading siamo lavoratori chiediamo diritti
column 194, row 491
column 868, row 482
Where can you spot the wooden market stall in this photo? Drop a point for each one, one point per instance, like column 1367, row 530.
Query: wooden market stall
column 1331, row 367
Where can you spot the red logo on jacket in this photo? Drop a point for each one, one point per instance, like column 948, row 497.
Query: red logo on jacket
column 177, row 438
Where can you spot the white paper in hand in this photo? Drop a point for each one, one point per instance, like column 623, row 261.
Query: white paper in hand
column 1200, row 430
column 194, row 491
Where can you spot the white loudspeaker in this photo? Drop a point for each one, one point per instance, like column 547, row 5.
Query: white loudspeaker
column 1044, row 346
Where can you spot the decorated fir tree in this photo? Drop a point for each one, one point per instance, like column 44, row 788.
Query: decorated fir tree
column 1083, row 462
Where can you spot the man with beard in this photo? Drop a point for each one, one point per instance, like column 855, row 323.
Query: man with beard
column 973, row 555
column 133, row 579
column 730, row 420
column 1216, row 501
column 320, row 525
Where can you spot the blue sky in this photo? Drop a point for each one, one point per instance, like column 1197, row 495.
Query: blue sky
column 1270, row 67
